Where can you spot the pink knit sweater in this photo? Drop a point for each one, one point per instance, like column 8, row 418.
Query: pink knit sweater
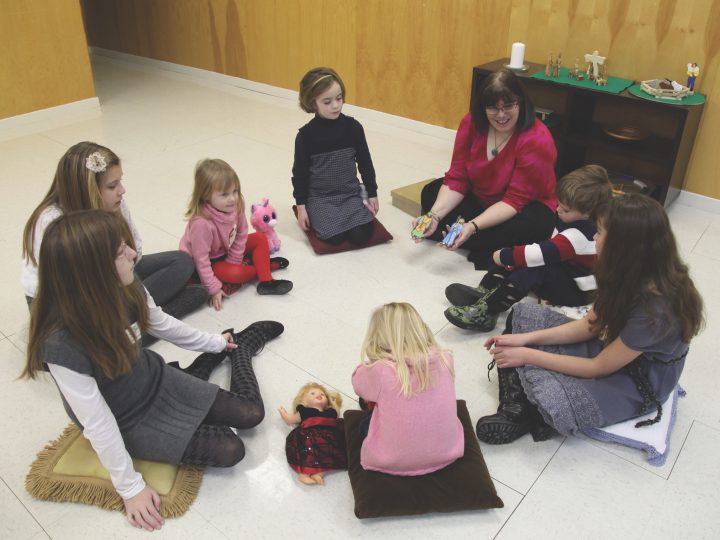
column 409, row 437
column 216, row 234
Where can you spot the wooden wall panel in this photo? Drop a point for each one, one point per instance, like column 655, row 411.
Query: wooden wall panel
column 44, row 60
column 414, row 58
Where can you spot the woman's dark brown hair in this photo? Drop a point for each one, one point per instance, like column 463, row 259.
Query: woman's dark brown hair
column 80, row 292
column 639, row 259
column 502, row 85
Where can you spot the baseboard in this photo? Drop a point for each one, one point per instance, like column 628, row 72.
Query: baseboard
column 198, row 74
column 13, row 125
column 701, row 202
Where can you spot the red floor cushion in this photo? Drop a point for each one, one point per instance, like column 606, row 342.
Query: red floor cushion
column 380, row 235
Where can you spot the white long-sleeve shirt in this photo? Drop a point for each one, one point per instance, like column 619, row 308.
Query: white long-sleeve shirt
column 29, row 271
column 100, row 427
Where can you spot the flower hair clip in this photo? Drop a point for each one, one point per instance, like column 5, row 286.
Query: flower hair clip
column 96, row 163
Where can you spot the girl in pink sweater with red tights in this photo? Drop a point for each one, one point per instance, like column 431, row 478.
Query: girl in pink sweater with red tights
column 217, row 238
column 414, row 428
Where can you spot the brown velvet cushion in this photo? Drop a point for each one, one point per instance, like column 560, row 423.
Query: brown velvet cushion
column 380, row 235
column 462, row 485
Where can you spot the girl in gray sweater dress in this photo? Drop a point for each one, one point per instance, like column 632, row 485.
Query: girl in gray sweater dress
column 86, row 322
column 619, row 362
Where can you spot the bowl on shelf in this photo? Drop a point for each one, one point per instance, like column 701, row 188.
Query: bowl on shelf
column 626, row 133
column 623, row 184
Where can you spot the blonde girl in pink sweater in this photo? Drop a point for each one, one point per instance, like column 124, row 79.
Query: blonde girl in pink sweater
column 217, row 238
column 414, row 428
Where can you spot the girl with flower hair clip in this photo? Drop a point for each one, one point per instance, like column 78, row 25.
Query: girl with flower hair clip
column 414, row 428
column 317, row 444
column 90, row 176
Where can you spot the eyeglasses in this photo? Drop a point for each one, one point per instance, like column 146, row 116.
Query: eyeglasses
column 507, row 108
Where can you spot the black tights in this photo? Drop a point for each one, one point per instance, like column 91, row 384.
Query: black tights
column 214, row 443
column 359, row 235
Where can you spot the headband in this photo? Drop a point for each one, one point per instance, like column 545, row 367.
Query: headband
column 320, row 79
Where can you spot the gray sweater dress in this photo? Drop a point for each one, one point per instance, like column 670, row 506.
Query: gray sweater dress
column 571, row 404
column 158, row 408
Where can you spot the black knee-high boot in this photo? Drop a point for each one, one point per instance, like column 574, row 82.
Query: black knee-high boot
column 243, row 382
column 512, row 419
column 515, row 415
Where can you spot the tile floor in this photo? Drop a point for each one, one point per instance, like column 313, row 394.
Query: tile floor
column 161, row 124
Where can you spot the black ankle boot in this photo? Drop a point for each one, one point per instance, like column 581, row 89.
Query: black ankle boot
column 204, row 365
column 512, row 419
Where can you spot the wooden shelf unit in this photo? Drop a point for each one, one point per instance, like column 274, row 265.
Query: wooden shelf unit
column 580, row 116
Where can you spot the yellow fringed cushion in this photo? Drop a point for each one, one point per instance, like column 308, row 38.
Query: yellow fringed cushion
column 68, row 469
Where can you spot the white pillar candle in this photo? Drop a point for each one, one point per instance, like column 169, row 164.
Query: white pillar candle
column 518, row 55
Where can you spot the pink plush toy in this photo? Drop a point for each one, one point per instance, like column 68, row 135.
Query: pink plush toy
column 264, row 219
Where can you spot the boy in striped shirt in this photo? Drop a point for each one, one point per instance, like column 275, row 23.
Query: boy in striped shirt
column 558, row 270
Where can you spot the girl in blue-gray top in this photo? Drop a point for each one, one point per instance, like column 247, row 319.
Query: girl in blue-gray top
column 619, row 362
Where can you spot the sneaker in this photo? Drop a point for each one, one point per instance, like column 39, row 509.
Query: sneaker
column 465, row 295
column 278, row 263
column 473, row 317
column 274, row 286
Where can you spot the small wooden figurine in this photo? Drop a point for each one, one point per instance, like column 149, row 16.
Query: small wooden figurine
column 596, row 60
column 549, row 66
column 558, row 63
column 576, row 73
column 693, row 70
column 601, row 79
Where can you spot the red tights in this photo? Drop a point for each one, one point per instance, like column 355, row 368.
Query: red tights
column 257, row 251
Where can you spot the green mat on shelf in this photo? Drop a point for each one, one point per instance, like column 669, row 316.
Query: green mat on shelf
column 615, row 85
column 695, row 99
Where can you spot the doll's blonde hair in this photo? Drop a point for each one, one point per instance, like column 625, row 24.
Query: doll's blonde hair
column 334, row 398
column 212, row 175
column 398, row 334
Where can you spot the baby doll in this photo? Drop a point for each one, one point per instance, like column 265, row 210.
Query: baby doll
column 317, row 445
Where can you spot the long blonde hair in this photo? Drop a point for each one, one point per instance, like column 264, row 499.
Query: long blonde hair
column 398, row 334
column 79, row 291
column 334, row 398
column 74, row 187
column 212, row 175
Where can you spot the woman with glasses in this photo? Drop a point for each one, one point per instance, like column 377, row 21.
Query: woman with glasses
column 501, row 179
